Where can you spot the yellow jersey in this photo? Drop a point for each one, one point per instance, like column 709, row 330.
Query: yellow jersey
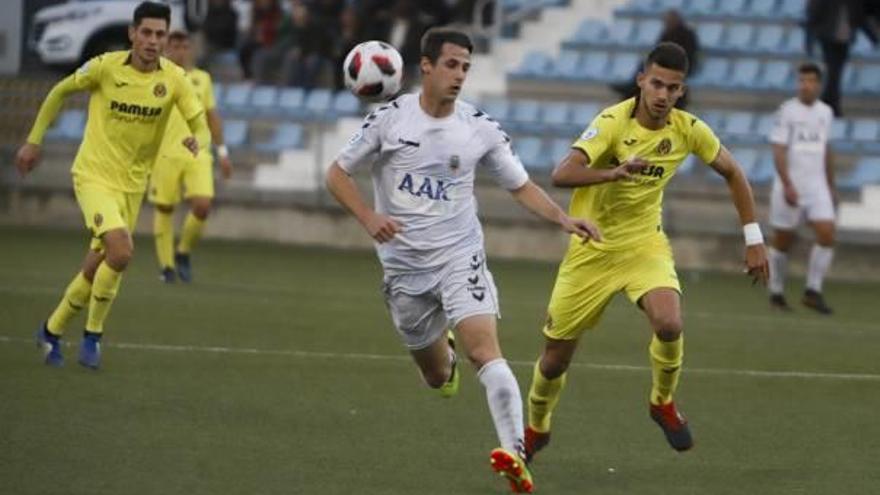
column 629, row 212
column 128, row 112
column 178, row 129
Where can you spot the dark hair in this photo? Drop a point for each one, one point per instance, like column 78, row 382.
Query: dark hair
column 434, row 38
column 810, row 68
column 668, row 55
column 151, row 10
column 177, row 36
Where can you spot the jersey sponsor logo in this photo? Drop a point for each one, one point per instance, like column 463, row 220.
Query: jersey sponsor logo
column 133, row 109
column 654, row 171
column 160, row 90
column 589, row 134
column 434, row 189
column 664, row 147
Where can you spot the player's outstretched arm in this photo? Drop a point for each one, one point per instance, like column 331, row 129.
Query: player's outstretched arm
column 538, row 202
column 574, row 171
column 215, row 123
column 741, row 192
column 382, row 228
column 29, row 154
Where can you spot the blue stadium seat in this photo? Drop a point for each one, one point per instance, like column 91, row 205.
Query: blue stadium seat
column 623, row 67
column 559, row 149
column 620, row 32
column 345, row 103
column 739, row 37
column 590, row 31
column 567, row 65
column 582, row 114
column 290, row 101
column 710, row 34
column 763, row 9
column 593, row 66
column 732, row 8
column 264, row 99
column 526, row 112
column 218, row 91
column 237, row 97
column 497, row 108
column 687, row 166
column 794, row 42
column 69, row 126
column 713, row 73
column 647, row 33
column 235, row 132
column 863, row 46
column 744, row 73
column 288, row 135
column 702, row 8
column 764, row 169
column 642, row 6
column 792, row 9
column 747, row 159
column 840, row 138
column 765, row 125
column 533, row 64
column 529, row 151
column 769, row 39
column 714, row 119
column 556, row 116
column 867, row 79
column 671, row 4
column 866, row 171
column 776, row 75
column 738, row 124
column 318, row 103
column 864, row 130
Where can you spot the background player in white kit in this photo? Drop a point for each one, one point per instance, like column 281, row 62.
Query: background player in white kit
column 424, row 150
column 804, row 187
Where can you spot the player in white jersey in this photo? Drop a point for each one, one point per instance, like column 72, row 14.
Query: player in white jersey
column 423, row 151
column 803, row 187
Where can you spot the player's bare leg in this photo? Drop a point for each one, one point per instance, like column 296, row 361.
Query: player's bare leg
column 193, row 225
column 778, row 257
column 435, row 363
column 163, row 235
column 548, row 380
column 820, row 260
column 662, row 306
column 478, row 336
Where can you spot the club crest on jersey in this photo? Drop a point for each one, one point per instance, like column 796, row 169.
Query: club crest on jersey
column 589, row 134
column 454, row 162
column 664, row 147
column 425, row 187
column 159, row 90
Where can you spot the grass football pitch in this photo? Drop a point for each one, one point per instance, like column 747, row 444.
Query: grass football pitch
column 277, row 372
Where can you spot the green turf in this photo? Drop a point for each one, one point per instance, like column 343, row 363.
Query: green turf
column 331, row 404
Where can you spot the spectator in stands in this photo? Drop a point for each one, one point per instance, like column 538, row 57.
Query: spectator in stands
column 405, row 32
column 834, row 23
column 302, row 48
column 265, row 17
column 676, row 30
column 220, row 30
column 349, row 36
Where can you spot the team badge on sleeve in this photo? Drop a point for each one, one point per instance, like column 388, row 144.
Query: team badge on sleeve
column 159, row 90
column 589, row 134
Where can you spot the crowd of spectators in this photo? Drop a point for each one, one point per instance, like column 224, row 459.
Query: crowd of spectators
column 301, row 42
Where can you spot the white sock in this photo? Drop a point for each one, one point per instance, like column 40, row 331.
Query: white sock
column 820, row 261
column 505, row 403
column 778, row 269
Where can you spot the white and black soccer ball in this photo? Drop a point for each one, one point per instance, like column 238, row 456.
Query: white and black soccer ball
column 373, row 70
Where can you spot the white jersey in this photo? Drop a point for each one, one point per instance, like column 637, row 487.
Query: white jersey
column 805, row 130
column 423, row 172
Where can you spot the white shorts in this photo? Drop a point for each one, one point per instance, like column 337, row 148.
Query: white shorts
column 817, row 206
column 424, row 305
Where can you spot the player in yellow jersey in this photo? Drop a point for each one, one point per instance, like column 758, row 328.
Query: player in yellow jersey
column 619, row 167
column 176, row 167
column 131, row 95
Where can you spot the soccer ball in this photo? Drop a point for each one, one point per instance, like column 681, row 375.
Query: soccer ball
column 373, row 70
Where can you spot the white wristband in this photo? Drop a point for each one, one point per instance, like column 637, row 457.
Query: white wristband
column 222, row 151
column 752, row 233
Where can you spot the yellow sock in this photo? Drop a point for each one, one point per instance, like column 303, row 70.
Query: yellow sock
column 192, row 231
column 76, row 297
column 163, row 231
column 104, row 289
column 543, row 397
column 666, row 359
